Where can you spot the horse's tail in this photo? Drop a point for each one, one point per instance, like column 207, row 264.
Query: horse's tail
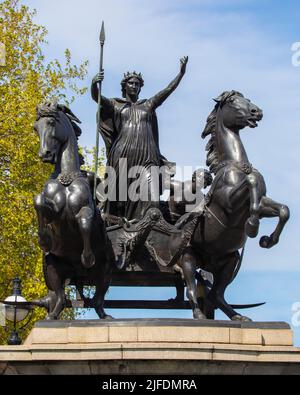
column 238, row 265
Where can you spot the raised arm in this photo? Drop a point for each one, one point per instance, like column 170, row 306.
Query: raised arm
column 106, row 103
column 161, row 96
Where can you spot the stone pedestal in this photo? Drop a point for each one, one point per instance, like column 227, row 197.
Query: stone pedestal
column 154, row 346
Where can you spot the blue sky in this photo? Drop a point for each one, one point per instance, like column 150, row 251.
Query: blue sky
column 243, row 45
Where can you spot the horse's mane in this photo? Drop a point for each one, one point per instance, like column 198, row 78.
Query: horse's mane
column 212, row 157
column 52, row 110
column 73, row 119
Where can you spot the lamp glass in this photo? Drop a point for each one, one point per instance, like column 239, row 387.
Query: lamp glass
column 21, row 314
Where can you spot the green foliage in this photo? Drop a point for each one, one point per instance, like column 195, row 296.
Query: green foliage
column 26, row 80
column 89, row 156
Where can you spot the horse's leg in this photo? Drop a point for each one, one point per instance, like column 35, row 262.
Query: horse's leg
column 222, row 278
column 179, row 285
column 48, row 205
column 189, row 266
column 271, row 209
column 252, row 224
column 98, row 299
column 44, row 237
column 85, row 221
column 56, row 282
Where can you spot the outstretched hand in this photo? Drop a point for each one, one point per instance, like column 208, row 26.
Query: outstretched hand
column 183, row 63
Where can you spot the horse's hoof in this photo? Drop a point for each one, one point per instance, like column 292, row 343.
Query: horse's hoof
column 198, row 315
column 241, row 318
column 104, row 316
column 252, row 227
column 264, row 242
column 267, row 242
column 107, row 317
column 88, row 261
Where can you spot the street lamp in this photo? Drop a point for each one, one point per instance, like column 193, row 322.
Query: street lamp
column 15, row 312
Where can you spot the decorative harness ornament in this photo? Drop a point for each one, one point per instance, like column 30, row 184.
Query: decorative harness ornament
column 66, row 179
column 245, row 167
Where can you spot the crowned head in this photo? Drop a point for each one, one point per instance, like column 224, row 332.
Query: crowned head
column 132, row 83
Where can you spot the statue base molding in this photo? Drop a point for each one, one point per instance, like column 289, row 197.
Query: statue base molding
column 159, row 346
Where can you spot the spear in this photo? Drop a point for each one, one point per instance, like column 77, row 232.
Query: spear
column 102, row 40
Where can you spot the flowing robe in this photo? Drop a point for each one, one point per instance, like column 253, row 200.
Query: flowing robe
column 130, row 132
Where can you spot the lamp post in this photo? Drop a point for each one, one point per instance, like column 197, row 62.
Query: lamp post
column 14, row 312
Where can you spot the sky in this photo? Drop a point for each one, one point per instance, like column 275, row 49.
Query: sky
column 232, row 44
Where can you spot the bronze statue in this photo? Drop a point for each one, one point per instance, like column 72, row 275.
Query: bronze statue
column 129, row 129
column 71, row 230
column 210, row 238
column 90, row 246
column 235, row 203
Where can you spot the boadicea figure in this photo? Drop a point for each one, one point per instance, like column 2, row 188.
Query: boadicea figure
column 130, row 131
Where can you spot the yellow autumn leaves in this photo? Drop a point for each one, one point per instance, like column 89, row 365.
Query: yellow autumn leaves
column 26, row 80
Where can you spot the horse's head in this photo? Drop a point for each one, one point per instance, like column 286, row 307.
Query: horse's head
column 232, row 113
column 50, row 132
column 237, row 111
column 55, row 125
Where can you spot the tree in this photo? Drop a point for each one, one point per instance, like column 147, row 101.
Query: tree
column 89, row 156
column 26, row 80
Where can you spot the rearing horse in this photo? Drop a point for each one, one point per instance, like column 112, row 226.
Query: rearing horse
column 234, row 205
column 71, row 232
